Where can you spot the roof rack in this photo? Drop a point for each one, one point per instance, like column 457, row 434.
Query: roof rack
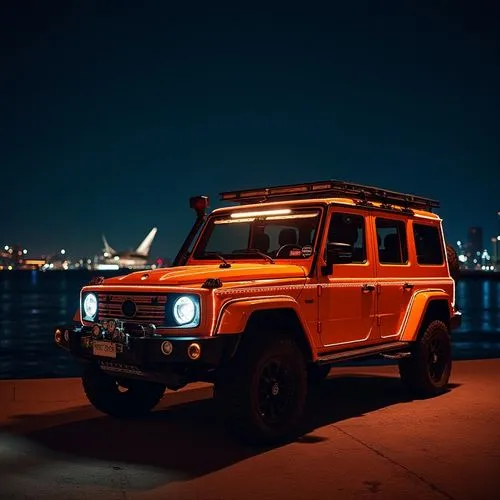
column 333, row 188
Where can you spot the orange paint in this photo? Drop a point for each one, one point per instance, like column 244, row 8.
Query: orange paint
column 416, row 311
column 361, row 303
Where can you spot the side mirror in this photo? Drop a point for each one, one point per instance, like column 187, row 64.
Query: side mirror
column 337, row 253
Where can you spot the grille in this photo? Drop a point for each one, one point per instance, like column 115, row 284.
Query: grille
column 149, row 308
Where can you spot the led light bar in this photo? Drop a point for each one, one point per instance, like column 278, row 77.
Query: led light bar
column 261, row 213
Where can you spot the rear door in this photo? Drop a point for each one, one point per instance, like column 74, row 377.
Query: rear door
column 393, row 270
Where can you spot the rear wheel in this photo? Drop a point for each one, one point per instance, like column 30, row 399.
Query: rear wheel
column 262, row 393
column 427, row 372
column 122, row 398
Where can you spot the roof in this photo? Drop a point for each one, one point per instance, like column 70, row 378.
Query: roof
column 348, row 202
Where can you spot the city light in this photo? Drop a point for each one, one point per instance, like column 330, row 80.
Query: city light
column 476, row 252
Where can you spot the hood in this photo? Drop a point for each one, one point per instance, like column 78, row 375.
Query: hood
column 196, row 275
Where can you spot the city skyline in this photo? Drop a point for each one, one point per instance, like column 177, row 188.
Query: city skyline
column 66, row 251
column 113, row 117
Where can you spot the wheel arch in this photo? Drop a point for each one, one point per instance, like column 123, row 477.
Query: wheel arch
column 261, row 316
column 427, row 306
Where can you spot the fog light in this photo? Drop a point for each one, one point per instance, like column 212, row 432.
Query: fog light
column 58, row 336
column 194, row 351
column 167, row 348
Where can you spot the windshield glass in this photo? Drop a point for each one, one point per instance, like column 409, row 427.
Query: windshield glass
column 260, row 234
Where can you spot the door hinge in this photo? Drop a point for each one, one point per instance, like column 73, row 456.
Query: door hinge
column 379, row 288
column 319, row 326
column 378, row 320
column 319, row 288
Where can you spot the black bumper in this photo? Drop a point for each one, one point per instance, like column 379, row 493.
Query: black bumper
column 147, row 352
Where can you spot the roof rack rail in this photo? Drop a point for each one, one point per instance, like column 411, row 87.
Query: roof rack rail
column 333, row 188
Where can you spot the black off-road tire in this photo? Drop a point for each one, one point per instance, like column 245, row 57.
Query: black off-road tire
column 122, row 399
column 317, row 373
column 453, row 262
column 246, row 391
column 427, row 372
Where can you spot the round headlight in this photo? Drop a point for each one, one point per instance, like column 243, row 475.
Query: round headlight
column 90, row 305
column 184, row 310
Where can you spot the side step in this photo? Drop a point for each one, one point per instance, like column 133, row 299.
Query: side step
column 365, row 351
column 398, row 355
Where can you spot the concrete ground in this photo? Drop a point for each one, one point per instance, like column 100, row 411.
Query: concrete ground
column 365, row 439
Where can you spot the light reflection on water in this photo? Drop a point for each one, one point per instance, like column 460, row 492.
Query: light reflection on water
column 33, row 303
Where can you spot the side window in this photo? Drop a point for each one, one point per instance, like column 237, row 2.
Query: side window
column 349, row 228
column 428, row 244
column 392, row 245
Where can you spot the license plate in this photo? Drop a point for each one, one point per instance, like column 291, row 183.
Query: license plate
column 104, row 349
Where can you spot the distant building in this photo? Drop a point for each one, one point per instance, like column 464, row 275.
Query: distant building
column 475, row 244
column 496, row 244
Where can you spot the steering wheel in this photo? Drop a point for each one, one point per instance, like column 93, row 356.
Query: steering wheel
column 288, row 246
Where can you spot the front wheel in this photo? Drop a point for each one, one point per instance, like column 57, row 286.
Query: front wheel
column 263, row 393
column 427, row 372
column 120, row 398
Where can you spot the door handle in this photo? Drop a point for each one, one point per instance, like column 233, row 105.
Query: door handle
column 367, row 288
column 408, row 286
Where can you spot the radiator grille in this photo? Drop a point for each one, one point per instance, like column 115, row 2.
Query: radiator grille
column 149, row 308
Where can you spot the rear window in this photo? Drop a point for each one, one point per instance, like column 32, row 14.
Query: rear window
column 428, row 244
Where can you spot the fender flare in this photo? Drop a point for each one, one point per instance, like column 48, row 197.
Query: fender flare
column 416, row 312
column 235, row 313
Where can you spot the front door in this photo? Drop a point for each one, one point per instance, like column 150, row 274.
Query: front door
column 347, row 298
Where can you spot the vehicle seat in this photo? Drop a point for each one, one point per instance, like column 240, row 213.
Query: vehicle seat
column 261, row 242
column 392, row 250
column 287, row 236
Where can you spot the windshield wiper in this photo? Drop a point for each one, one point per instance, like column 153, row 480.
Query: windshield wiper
column 258, row 252
column 225, row 264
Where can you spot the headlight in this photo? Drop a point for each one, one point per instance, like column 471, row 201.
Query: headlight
column 186, row 311
column 90, row 306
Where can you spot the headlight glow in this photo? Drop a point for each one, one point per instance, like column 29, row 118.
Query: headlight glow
column 186, row 311
column 90, row 305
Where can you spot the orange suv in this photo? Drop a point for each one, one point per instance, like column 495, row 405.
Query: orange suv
column 265, row 296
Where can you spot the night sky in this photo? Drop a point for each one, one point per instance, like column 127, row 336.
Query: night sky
column 113, row 114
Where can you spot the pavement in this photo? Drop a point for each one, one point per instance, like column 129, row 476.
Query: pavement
column 364, row 439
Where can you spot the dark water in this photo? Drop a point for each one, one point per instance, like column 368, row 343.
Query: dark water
column 32, row 303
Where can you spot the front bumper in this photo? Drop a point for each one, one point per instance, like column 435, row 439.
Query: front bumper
column 146, row 352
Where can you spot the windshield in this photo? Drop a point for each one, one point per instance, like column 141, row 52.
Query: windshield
column 260, row 234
